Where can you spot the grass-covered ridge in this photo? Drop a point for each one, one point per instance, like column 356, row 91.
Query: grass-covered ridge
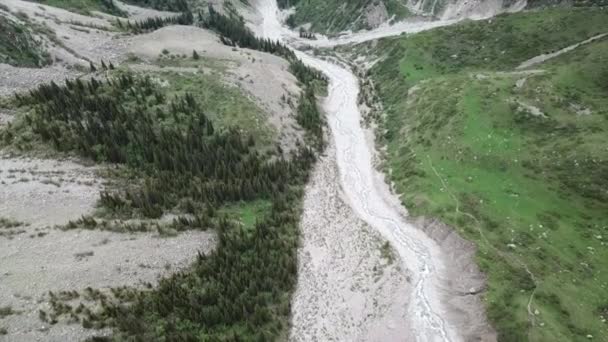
column 515, row 162
column 18, row 47
column 331, row 16
column 500, row 43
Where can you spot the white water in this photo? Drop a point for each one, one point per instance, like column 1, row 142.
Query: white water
column 370, row 200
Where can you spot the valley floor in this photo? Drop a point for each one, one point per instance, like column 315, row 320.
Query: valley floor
column 351, row 286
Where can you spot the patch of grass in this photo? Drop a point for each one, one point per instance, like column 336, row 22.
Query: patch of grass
column 247, row 213
column 6, row 311
column 203, row 62
column 8, row 223
column 530, row 191
column 387, row 252
column 225, row 105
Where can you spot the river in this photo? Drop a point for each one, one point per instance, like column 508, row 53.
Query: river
column 369, row 199
column 368, row 196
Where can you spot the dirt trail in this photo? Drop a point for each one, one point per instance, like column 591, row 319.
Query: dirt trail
column 545, row 57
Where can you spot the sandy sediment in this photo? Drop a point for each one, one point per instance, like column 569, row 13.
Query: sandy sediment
column 351, row 287
column 46, row 192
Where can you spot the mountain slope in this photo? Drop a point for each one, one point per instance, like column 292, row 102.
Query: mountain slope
column 184, row 226
column 18, row 46
column 334, row 15
column 514, row 160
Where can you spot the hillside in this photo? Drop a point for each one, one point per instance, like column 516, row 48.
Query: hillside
column 333, row 16
column 514, row 159
column 18, row 46
column 146, row 176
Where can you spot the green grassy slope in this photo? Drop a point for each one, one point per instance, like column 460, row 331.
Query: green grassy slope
column 18, row 47
column 227, row 106
column 334, row 15
column 531, row 191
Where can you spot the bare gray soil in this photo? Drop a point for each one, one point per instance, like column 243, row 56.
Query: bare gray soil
column 351, row 286
column 36, row 257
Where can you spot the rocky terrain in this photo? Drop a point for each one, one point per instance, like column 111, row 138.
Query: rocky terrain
column 41, row 193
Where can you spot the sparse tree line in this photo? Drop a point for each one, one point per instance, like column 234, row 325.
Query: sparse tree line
column 310, row 118
column 233, row 32
column 103, row 66
column 306, row 34
column 154, row 23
